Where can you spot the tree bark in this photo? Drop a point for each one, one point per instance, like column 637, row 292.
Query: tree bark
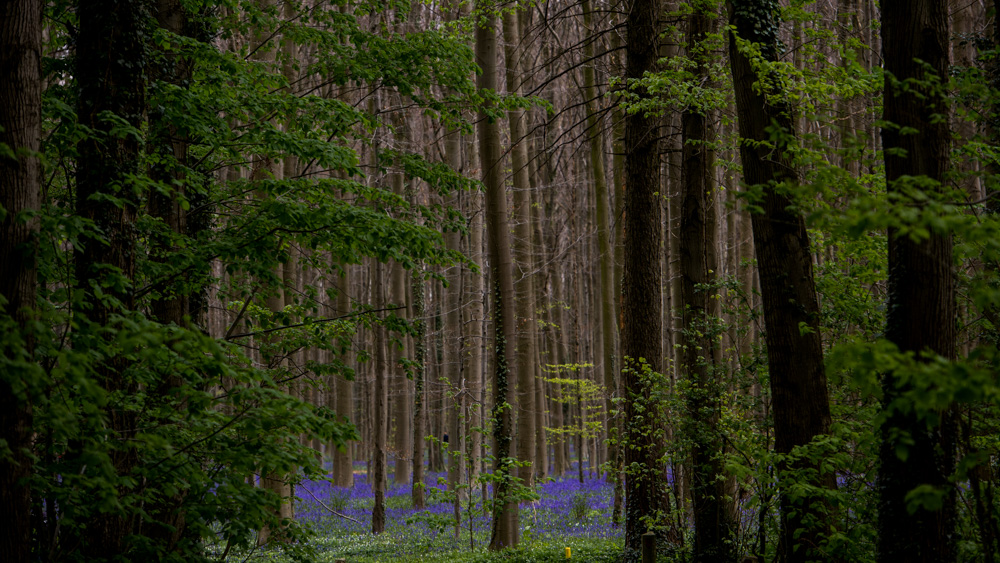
column 699, row 266
column 921, row 311
column 504, row 532
column 343, row 402
column 380, row 413
column 791, row 312
column 419, row 410
column 20, row 185
column 641, row 309
column 110, row 73
column 602, row 214
column 524, row 285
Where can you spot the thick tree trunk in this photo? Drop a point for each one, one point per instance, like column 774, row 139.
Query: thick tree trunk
column 20, row 184
column 791, row 312
column 524, row 285
column 110, row 74
column 504, row 530
column 699, row 265
column 921, row 312
column 641, row 286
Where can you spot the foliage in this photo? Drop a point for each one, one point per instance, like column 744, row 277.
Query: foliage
column 216, row 413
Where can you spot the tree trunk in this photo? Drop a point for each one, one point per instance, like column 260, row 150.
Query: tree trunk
column 452, row 333
column 377, row 478
column 343, row 461
column 110, row 74
column 402, row 397
column 699, row 266
column 641, row 285
column 601, row 216
column 524, row 286
column 474, row 332
column 20, row 184
column 791, row 313
column 921, row 311
column 419, row 411
column 504, row 531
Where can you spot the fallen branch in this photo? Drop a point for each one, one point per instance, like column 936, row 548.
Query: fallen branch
column 332, row 511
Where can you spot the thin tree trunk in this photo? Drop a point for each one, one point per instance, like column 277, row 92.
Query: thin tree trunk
column 474, row 333
column 602, row 213
column 377, row 477
column 343, row 460
column 452, row 332
column 419, row 411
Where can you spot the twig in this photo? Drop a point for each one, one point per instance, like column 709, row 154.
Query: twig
column 332, row 511
column 330, row 320
column 239, row 316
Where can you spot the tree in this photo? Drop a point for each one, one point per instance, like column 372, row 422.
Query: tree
column 699, row 265
column 918, row 448
column 601, row 215
column 791, row 312
column 20, row 186
column 504, row 532
column 640, row 336
column 110, row 73
column 524, row 287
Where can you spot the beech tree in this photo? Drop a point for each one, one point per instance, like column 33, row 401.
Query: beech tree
column 801, row 407
column 918, row 448
column 640, row 334
column 699, row 266
column 20, row 187
column 504, row 532
column 229, row 197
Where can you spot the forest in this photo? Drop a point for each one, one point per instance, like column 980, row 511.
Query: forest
column 537, row 280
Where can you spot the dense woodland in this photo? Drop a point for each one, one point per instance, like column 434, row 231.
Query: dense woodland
column 740, row 258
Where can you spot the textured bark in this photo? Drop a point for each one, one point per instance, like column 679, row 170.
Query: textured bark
column 641, row 309
column 380, row 413
column 921, row 312
column 167, row 522
column 111, row 60
column 452, row 333
column 20, row 183
column 473, row 318
column 504, row 532
column 801, row 407
column 343, row 460
column 699, row 265
column 618, row 189
column 419, row 411
column 524, row 285
column 402, row 397
column 171, row 307
column 602, row 214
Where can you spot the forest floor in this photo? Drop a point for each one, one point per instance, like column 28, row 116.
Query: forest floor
column 568, row 514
